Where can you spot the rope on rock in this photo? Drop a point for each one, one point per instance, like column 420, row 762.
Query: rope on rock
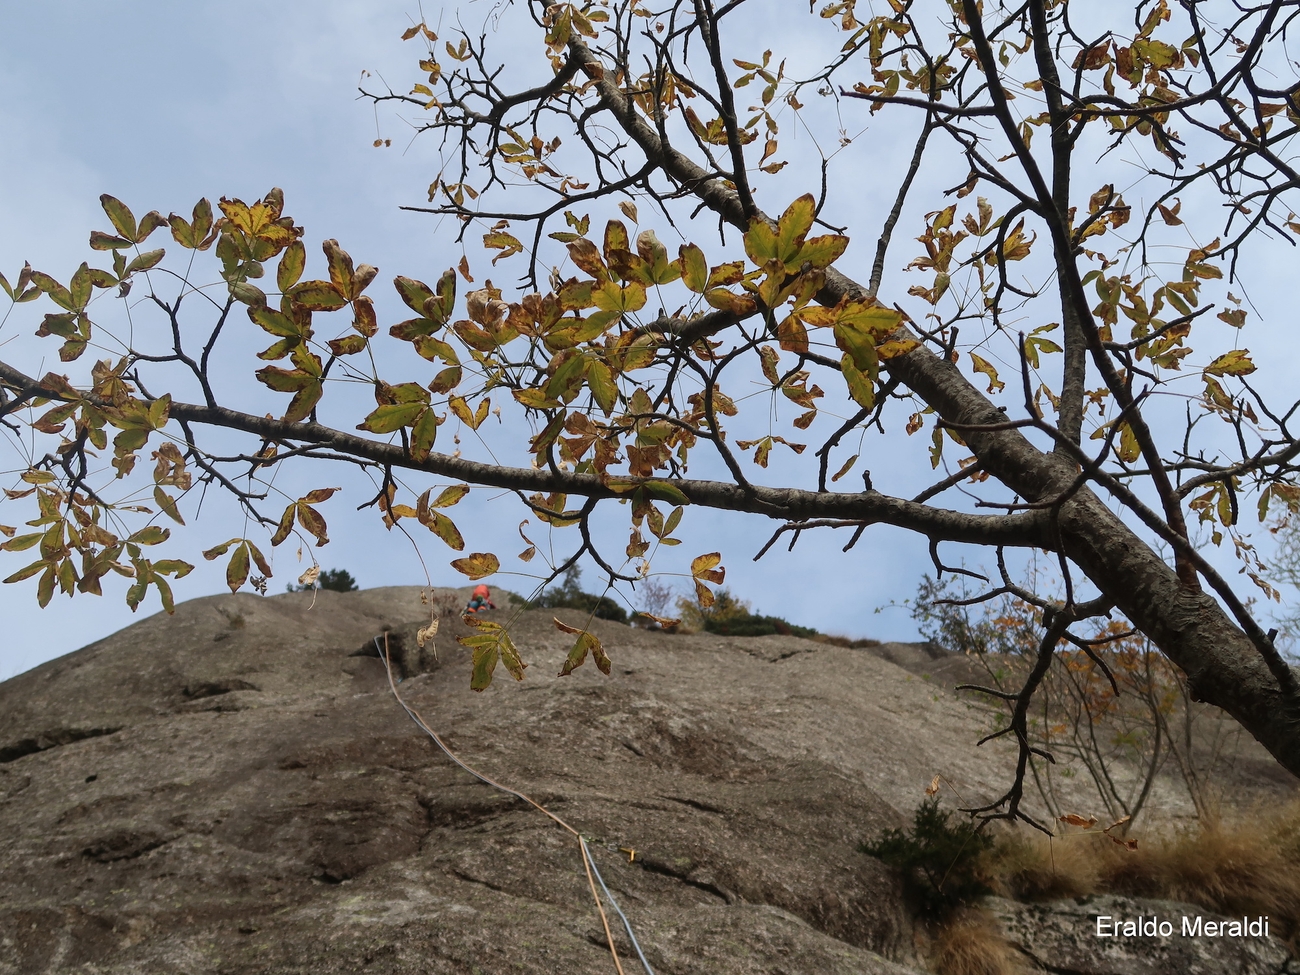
column 588, row 862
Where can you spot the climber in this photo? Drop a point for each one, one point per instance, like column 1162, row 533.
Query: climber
column 481, row 600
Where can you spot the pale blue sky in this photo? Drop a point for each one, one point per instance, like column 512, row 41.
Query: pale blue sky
column 160, row 103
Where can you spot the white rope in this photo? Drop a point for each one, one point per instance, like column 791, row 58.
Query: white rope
column 588, row 859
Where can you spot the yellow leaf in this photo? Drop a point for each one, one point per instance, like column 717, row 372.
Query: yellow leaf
column 477, row 565
column 708, row 567
column 982, row 365
column 695, row 270
column 1234, row 363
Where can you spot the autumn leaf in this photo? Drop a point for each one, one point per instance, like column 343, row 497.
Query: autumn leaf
column 1234, row 363
column 708, row 567
column 477, row 565
column 587, row 642
column 1070, row 819
column 982, row 365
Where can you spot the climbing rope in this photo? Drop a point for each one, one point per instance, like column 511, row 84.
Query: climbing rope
column 589, row 863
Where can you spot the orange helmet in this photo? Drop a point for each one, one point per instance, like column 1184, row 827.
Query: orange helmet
column 481, row 590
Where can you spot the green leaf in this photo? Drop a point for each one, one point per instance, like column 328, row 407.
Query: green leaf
column 306, row 388
column 793, row 226
column 446, row 529
column 291, row 266
column 79, row 287
column 317, row 296
column 428, row 347
column 695, row 270
column 487, row 651
column 821, row 252
column 21, row 543
column 120, row 215
column 101, row 241
column 600, row 380
column 423, row 434
column 450, row 496
column 219, row 550
column 145, row 261
column 26, row 572
column 616, row 239
column 176, row 567
column 164, row 593
column 391, row 417
column 284, row 380
column 446, row 380
column 275, row 322
column 490, row 644
column 237, row 568
column 150, row 222
column 760, row 242
column 151, row 535
column 45, row 588
column 249, row 294
column 348, row 345
column 534, row 399
column 586, row 642
column 281, row 532
column 167, row 504
column 440, row 308
column 414, row 292
column 342, row 273
column 861, row 387
column 610, row 297
column 665, row 491
column 57, row 292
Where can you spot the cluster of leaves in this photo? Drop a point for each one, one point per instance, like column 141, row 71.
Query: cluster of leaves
column 938, row 859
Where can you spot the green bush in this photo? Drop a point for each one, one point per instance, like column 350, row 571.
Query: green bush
column 730, row 616
column 939, row 862
column 569, row 595
column 751, row 625
column 336, row 580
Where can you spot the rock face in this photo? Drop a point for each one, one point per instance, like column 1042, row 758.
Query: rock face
column 233, row 789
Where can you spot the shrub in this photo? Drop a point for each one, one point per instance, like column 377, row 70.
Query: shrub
column 336, row 580
column 569, row 595
column 730, row 616
column 939, row 861
column 751, row 625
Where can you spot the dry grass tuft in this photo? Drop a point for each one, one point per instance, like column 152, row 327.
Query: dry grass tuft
column 1247, row 865
column 969, row 943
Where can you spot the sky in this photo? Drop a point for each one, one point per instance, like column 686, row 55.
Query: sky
column 162, row 103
